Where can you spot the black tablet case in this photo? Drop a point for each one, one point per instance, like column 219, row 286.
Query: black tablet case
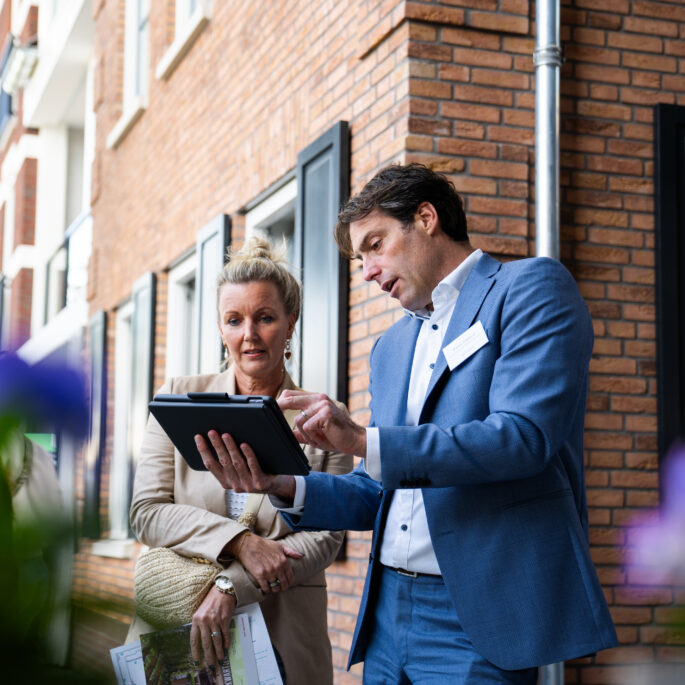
column 254, row 419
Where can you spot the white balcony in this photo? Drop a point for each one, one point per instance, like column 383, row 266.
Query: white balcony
column 55, row 95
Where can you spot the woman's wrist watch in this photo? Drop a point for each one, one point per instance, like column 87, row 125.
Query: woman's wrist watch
column 225, row 586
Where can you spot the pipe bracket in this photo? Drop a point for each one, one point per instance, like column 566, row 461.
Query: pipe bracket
column 549, row 54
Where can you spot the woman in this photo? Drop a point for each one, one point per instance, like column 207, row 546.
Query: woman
column 191, row 513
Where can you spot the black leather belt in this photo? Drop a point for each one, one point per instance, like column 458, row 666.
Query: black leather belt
column 411, row 574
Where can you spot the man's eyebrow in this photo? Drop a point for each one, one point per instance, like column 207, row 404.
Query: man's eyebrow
column 362, row 246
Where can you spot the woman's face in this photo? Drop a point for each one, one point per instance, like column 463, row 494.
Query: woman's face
column 254, row 327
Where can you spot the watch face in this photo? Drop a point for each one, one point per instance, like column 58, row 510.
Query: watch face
column 223, row 583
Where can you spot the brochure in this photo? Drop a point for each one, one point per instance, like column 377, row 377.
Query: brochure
column 164, row 658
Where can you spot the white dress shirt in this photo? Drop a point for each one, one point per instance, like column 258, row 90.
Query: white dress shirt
column 406, row 538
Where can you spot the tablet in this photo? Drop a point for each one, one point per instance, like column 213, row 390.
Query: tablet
column 254, row 419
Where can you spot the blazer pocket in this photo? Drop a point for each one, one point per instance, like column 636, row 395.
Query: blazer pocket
column 554, row 494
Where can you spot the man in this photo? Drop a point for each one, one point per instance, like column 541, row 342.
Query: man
column 472, row 479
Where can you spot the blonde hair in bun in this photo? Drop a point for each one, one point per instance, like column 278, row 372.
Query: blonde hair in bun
column 259, row 260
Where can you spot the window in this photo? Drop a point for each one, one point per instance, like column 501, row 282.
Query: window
column 184, row 11
column 97, row 363
column 181, row 346
column 56, row 284
column 211, row 245
column 303, row 211
column 132, row 392
column 190, row 19
column 274, row 218
column 323, row 176
column 5, row 97
column 119, row 474
column 141, row 50
column 136, row 68
column 669, row 123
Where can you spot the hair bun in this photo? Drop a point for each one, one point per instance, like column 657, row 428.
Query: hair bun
column 258, row 247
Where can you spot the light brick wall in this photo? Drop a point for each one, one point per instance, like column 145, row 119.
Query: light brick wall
column 452, row 85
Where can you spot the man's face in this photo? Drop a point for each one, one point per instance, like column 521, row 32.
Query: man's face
column 398, row 259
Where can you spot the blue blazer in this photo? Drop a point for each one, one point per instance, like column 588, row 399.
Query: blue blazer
column 498, row 453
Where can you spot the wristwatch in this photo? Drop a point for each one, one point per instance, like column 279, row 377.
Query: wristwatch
column 225, row 586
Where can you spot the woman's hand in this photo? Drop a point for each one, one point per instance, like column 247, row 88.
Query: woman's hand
column 238, row 468
column 266, row 560
column 209, row 633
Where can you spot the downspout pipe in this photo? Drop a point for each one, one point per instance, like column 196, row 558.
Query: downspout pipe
column 547, row 61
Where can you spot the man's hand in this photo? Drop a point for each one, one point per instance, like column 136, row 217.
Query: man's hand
column 238, row 468
column 324, row 423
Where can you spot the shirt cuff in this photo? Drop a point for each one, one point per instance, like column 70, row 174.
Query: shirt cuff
column 297, row 506
column 372, row 461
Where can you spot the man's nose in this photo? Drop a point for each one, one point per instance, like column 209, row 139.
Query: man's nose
column 370, row 269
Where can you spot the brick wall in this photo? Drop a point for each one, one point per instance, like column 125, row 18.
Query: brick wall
column 25, row 203
column 20, row 301
column 452, row 85
column 21, row 291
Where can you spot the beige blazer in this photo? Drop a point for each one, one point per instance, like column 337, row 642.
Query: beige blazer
column 185, row 510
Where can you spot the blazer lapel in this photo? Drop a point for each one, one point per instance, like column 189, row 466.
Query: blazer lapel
column 391, row 406
column 469, row 302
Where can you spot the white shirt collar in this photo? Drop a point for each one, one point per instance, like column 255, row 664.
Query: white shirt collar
column 446, row 292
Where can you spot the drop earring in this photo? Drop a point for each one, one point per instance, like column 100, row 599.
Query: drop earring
column 288, row 352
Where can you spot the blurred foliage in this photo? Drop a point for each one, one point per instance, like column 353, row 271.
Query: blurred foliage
column 46, row 395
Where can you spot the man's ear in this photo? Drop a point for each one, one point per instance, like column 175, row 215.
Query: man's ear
column 427, row 218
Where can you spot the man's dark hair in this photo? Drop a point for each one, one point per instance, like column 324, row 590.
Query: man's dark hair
column 397, row 191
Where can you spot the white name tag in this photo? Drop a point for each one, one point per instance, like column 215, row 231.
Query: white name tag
column 465, row 345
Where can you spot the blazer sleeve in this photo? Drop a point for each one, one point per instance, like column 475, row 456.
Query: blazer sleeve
column 536, row 393
column 157, row 520
column 348, row 502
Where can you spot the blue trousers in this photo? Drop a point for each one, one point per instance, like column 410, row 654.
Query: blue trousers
column 417, row 639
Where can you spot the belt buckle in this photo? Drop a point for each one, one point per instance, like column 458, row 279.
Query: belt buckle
column 408, row 574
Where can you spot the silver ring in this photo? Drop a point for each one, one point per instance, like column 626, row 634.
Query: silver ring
column 306, row 416
column 215, row 633
column 275, row 583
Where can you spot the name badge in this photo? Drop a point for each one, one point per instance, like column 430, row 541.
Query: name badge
column 465, row 345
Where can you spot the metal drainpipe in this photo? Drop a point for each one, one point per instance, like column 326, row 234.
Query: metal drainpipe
column 547, row 61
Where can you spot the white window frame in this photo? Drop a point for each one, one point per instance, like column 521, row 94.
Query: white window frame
column 181, row 336
column 277, row 205
column 190, row 20
column 120, row 467
column 135, row 93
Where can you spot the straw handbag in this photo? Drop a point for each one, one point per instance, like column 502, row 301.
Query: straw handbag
column 168, row 588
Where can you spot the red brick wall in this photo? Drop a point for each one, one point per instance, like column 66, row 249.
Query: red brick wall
column 29, row 32
column 20, row 308
column 25, row 203
column 450, row 84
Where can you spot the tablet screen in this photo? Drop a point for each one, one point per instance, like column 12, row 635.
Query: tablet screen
column 254, row 419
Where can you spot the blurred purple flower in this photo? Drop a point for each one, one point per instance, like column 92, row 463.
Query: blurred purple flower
column 657, row 545
column 46, row 393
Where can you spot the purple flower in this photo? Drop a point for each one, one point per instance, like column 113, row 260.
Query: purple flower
column 45, row 393
column 656, row 551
